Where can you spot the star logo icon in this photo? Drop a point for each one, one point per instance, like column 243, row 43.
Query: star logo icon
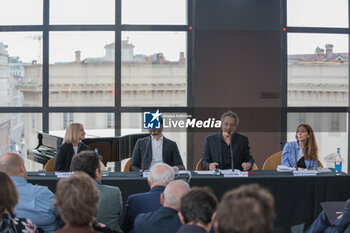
column 156, row 115
column 151, row 120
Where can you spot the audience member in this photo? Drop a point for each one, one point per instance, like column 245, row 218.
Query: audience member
column 8, row 200
column 248, row 209
column 166, row 218
column 322, row 224
column 302, row 153
column 35, row 201
column 227, row 148
column 159, row 176
column 197, row 211
column 77, row 200
column 72, row 144
column 110, row 202
column 155, row 149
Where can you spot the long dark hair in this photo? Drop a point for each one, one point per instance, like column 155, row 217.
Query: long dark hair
column 8, row 194
column 311, row 145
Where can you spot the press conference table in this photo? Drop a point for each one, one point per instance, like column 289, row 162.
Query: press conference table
column 297, row 199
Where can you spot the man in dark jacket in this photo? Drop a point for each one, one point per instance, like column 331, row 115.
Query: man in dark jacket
column 165, row 219
column 197, row 211
column 160, row 175
column 227, row 149
column 155, row 149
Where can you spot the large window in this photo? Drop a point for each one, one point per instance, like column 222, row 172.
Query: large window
column 154, row 69
column 316, row 42
column 97, row 65
column 318, row 69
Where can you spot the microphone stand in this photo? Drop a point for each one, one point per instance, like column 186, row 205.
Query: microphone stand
column 231, row 155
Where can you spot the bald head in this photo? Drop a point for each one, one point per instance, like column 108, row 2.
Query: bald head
column 161, row 174
column 13, row 165
column 173, row 193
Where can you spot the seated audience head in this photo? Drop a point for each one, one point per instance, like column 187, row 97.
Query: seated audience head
column 160, row 174
column 305, row 134
column 198, row 207
column 77, row 199
column 8, row 194
column 88, row 162
column 74, row 134
column 247, row 209
column 173, row 192
column 13, row 165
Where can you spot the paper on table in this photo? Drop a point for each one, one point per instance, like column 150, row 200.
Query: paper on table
column 282, row 168
column 305, row 172
column 223, row 171
column 236, row 174
column 204, row 172
column 63, row 174
column 323, row 169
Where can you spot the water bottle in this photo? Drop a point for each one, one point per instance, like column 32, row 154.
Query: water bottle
column 96, row 150
column 338, row 163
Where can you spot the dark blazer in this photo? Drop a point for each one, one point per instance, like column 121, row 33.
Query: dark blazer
column 141, row 203
column 142, row 154
column 65, row 154
column 191, row 229
column 240, row 147
column 322, row 224
column 163, row 220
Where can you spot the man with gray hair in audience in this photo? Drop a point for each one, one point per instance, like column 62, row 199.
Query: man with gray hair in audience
column 166, row 218
column 35, row 201
column 159, row 176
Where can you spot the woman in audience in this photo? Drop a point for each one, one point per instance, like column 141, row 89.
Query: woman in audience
column 77, row 201
column 8, row 200
column 72, row 144
column 303, row 152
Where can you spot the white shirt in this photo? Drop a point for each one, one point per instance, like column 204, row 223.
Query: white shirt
column 157, row 150
column 75, row 148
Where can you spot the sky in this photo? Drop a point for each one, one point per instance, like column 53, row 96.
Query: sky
column 91, row 44
column 315, row 13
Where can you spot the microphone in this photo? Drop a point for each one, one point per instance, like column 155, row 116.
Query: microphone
column 231, row 155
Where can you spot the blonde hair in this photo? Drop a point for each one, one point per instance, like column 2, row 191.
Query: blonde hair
column 72, row 133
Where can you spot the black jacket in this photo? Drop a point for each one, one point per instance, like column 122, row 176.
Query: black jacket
column 142, row 154
column 65, row 154
column 163, row 220
column 240, row 148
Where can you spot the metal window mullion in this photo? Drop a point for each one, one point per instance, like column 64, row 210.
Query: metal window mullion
column 45, row 66
column 190, row 77
column 284, row 73
column 117, row 68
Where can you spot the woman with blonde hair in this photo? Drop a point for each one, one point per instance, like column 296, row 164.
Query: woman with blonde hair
column 8, row 200
column 72, row 144
column 302, row 153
